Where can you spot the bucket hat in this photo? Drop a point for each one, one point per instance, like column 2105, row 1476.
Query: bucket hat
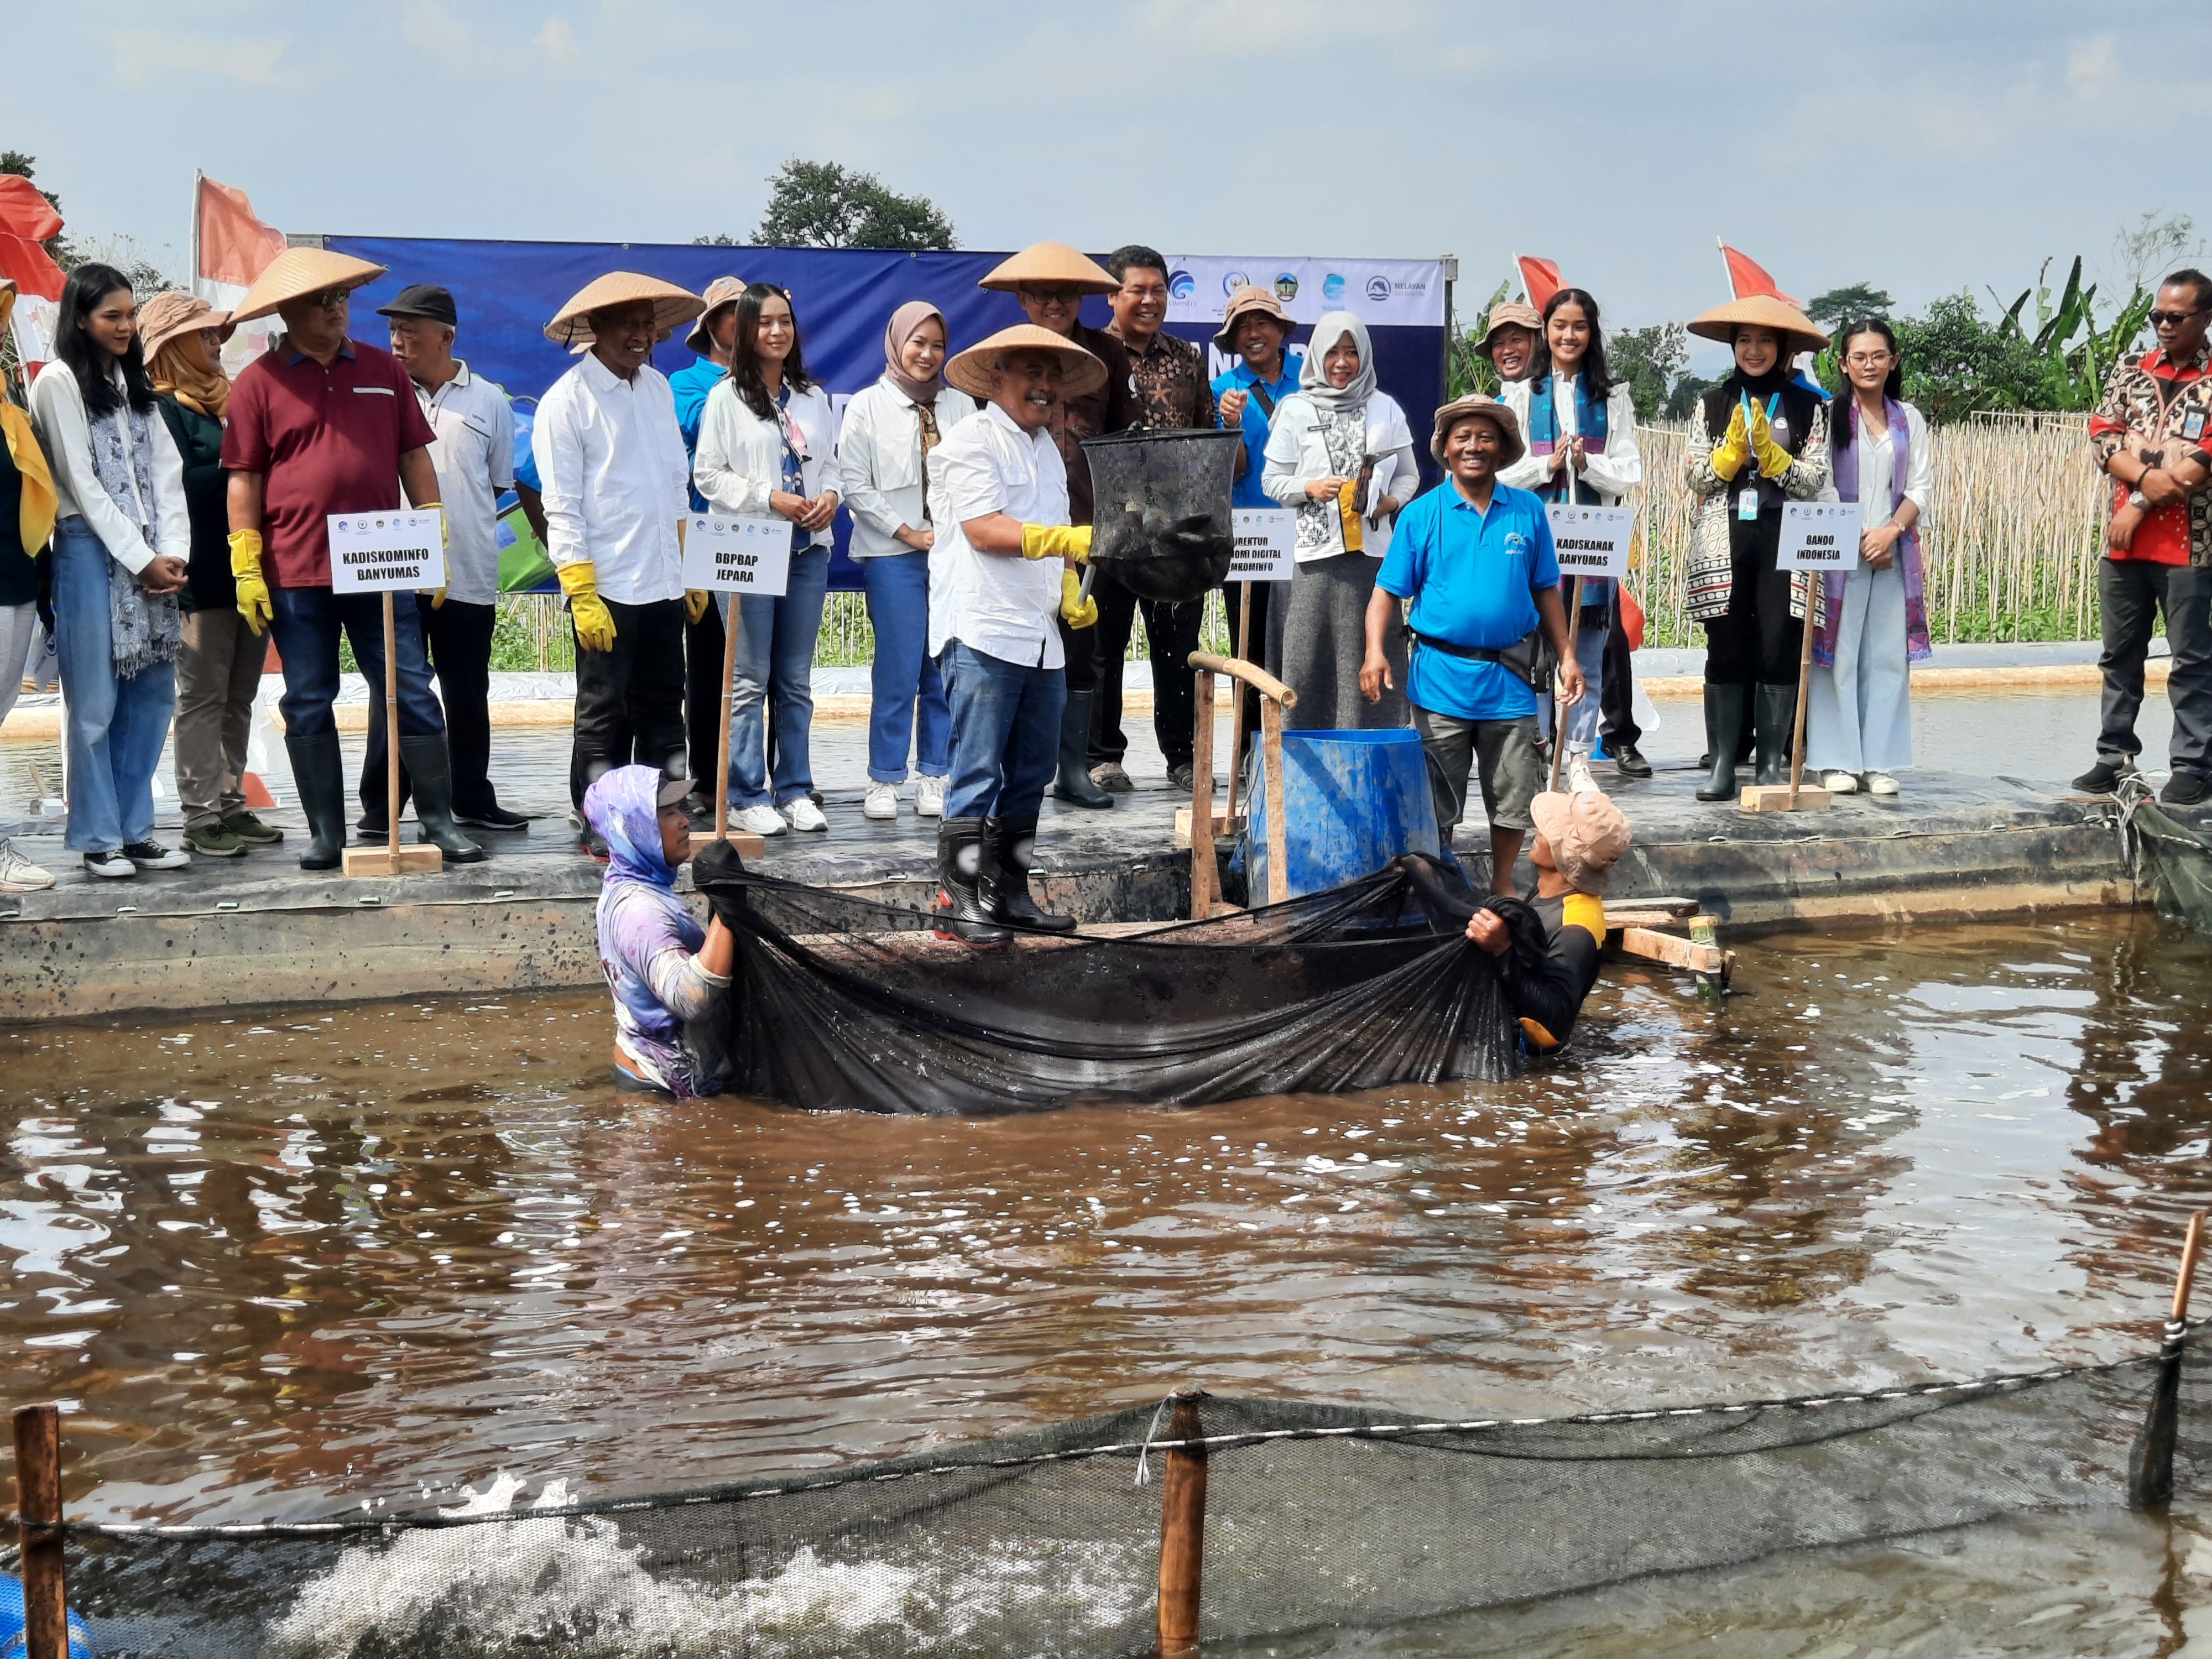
column 1799, row 332
column 971, row 370
column 1510, row 449
column 722, row 291
column 572, row 324
column 1050, row 264
column 1508, row 313
column 1588, row 834
column 1246, row 299
column 166, row 315
column 297, row 272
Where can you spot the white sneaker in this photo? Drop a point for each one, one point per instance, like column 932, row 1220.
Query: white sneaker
column 110, row 865
column 18, row 874
column 758, row 821
column 929, row 796
column 1880, row 783
column 1578, row 775
column 1839, row 783
column 882, row 801
column 805, row 814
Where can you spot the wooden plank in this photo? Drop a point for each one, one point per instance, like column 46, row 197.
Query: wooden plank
column 1205, row 874
column 1672, row 951
column 1776, row 798
column 1271, row 777
column 748, row 845
column 1183, row 1533
column 1258, row 678
column 390, row 860
column 1223, row 825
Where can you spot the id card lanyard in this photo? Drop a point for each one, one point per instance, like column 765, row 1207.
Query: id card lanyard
column 1747, row 504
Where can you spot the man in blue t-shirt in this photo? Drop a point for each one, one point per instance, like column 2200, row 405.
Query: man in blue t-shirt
column 1473, row 557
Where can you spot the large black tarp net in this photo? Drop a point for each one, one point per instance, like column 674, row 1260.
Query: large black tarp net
column 842, row 1002
column 1046, row 1542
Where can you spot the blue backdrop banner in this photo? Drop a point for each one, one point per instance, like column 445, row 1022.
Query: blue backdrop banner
column 506, row 292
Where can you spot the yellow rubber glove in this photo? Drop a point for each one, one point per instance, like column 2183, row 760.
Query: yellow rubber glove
column 1733, row 449
column 1075, row 610
column 595, row 623
column 695, row 601
column 1773, row 459
column 1056, row 541
column 1355, row 538
column 253, row 586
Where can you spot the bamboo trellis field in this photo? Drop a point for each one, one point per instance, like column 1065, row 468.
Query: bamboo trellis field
column 2012, row 538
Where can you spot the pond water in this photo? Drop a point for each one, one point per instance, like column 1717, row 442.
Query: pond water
column 281, row 1266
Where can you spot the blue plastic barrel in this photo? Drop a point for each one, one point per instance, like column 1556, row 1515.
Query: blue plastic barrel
column 11, row 1623
column 1352, row 802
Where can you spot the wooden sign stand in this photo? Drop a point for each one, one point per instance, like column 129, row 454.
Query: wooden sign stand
column 1792, row 797
column 749, row 846
column 1205, row 898
column 392, row 858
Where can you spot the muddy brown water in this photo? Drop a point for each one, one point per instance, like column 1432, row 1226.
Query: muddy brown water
column 280, row 1267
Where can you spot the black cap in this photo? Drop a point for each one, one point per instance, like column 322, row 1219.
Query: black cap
column 423, row 300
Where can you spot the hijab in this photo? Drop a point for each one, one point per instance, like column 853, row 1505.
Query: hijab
column 1313, row 377
column 206, row 391
column 622, row 806
column 904, row 322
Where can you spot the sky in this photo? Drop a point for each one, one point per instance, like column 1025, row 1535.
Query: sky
column 1921, row 146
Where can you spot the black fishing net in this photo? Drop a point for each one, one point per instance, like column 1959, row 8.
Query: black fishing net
column 2175, row 862
column 842, row 1002
column 1048, row 1541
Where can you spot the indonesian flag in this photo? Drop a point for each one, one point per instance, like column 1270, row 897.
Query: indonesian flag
column 27, row 219
column 1747, row 276
column 1539, row 276
column 231, row 247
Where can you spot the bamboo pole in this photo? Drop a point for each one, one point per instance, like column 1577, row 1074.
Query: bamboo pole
column 39, row 1517
column 1182, row 1531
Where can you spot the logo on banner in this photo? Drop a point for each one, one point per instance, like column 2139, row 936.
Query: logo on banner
column 1231, row 280
column 1378, row 289
column 1286, row 286
column 1332, row 286
column 1181, row 285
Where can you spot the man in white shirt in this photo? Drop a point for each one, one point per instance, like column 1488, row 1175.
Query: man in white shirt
column 1000, row 580
column 612, row 465
column 474, row 456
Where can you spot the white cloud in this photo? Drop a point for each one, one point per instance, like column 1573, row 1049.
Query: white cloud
column 2092, row 68
column 1234, row 29
column 143, row 55
column 558, row 42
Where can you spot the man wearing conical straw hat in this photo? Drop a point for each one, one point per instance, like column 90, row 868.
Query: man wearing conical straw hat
column 615, row 480
column 1002, row 581
column 326, row 424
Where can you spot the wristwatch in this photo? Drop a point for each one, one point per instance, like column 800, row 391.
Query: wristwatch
column 2138, row 501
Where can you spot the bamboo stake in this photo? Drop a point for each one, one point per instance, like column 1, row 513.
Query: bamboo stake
column 1182, row 1531
column 38, row 1513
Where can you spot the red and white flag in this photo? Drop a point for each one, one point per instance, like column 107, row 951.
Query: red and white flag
column 27, row 219
column 1540, row 277
column 1747, row 276
column 231, row 247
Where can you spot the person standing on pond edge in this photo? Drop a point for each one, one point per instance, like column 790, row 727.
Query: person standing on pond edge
column 1758, row 439
column 710, row 342
column 1255, row 329
column 611, row 466
column 2152, row 436
column 474, row 456
column 1048, row 280
column 1173, row 394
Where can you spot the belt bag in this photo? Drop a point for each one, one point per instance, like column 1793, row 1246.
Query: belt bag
column 1530, row 658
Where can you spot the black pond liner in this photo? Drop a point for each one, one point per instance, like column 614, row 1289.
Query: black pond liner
column 1161, row 522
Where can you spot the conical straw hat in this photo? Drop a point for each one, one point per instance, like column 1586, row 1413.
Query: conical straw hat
column 1050, row 264
column 297, row 272
column 671, row 306
column 1799, row 332
column 971, row 370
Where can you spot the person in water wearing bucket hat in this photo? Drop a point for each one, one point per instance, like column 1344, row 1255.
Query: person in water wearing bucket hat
column 616, row 483
column 1001, row 580
column 326, row 424
column 1579, row 838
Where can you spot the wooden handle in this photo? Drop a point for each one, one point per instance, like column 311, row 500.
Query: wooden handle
column 1183, row 1533
column 1237, row 712
column 1258, row 678
column 1804, row 684
column 722, row 755
column 1558, row 704
column 39, row 1508
column 2189, row 1248
column 390, row 731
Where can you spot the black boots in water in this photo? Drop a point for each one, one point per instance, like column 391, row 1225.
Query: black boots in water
column 1777, row 714
column 431, row 772
column 319, row 774
column 1073, row 784
column 1723, row 733
column 959, row 868
column 1004, row 876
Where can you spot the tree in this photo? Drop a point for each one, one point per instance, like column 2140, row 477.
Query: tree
column 58, row 247
column 2147, row 250
column 1848, row 304
column 1648, row 360
column 825, row 204
column 1684, row 397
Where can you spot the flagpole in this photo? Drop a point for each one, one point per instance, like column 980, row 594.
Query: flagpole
column 1727, row 270
column 197, row 176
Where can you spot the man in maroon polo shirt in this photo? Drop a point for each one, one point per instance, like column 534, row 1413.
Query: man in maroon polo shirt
column 326, row 424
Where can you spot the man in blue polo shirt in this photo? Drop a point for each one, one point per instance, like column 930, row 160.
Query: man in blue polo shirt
column 1474, row 558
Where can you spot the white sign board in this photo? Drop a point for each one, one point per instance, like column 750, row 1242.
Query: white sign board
column 1819, row 536
column 730, row 553
column 1591, row 541
column 386, row 548
column 1265, row 536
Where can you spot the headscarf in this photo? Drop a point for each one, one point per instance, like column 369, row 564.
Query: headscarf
column 204, row 390
column 900, row 329
column 35, row 521
column 1313, row 377
column 622, row 806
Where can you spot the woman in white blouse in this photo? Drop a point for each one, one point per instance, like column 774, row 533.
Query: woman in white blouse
column 1581, row 431
column 883, row 449
column 1334, row 432
column 122, row 540
column 767, row 444
column 1858, row 714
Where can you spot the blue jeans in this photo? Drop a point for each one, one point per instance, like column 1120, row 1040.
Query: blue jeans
column 305, row 622
column 1006, row 733
column 775, row 661
column 906, row 690
column 116, row 727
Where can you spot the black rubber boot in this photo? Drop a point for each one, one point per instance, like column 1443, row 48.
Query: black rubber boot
column 431, row 772
column 1723, row 732
column 1073, row 784
column 959, row 868
column 1777, row 714
column 1009, row 844
column 319, row 774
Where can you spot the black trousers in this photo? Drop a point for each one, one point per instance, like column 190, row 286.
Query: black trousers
column 1170, row 635
column 630, row 700
column 2130, row 593
column 457, row 639
column 1616, row 705
column 702, row 696
column 1758, row 641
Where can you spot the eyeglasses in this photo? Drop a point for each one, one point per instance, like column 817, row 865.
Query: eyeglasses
column 330, row 299
column 1867, row 360
column 2175, row 319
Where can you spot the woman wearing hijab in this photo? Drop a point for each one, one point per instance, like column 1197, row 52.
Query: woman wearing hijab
column 767, row 444
column 26, row 525
column 1873, row 621
column 122, row 543
column 1341, row 454
column 1580, row 427
column 883, row 451
column 667, row 974
column 1758, row 439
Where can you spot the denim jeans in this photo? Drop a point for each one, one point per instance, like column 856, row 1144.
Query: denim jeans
column 305, row 624
column 116, row 727
column 904, row 686
column 1006, row 733
column 775, row 664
